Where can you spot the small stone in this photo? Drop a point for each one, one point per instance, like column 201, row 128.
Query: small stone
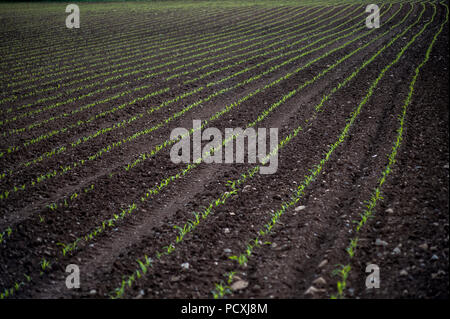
column 319, row 282
column 174, row 278
column 313, row 291
column 246, row 189
column 389, row 210
column 380, row 242
column 239, row 285
column 185, row 265
column 424, row 246
column 434, row 257
column 274, row 245
column 323, row 263
column 232, row 214
column 281, row 248
column 396, row 251
column 351, row 291
column 403, row 272
column 227, row 251
column 299, row 208
column 93, row 292
column 226, row 230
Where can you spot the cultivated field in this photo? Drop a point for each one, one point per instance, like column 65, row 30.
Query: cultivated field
column 86, row 176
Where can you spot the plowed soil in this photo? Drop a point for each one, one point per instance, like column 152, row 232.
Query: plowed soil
column 407, row 236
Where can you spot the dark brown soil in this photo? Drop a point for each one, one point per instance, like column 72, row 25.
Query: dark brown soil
column 306, row 244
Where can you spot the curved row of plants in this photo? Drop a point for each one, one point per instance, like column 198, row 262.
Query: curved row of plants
column 144, row 264
column 132, row 118
column 377, row 194
column 132, row 208
column 115, row 74
column 64, row 55
column 63, row 170
column 107, row 39
column 223, row 288
column 122, row 75
column 123, row 57
column 205, row 43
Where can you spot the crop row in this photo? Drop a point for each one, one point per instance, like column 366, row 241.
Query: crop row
column 287, row 36
column 108, row 148
column 344, row 270
column 95, row 232
column 234, row 185
column 78, row 123
column 128, row 74
column 120, row 39
column 121, row 52
column 161, row 50
column 123, row 213
column 160, row 13
column 223, row 288
column 335, row 4
column 145, row 259
column 136, row 30
column 134, row 70
column 155, row 190
column 134, row 117
column 96, row 20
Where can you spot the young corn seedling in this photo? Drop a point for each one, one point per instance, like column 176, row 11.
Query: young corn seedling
column 342, row 272
column 182, row 232
column 220, row 291
column 6, row 234
column 230, row 276
column 143, row 265
column 241, row 259
column 352, row 247
column 45, row 265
